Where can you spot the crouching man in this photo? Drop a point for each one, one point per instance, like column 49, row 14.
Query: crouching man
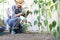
column 14, row 17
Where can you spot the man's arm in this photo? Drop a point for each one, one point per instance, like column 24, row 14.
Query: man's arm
column 20, row 14
column 12, row 13
column 17, row 15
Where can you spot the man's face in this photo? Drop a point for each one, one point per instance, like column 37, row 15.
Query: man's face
column 19, row 4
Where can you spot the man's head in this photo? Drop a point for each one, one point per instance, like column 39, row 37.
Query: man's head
column 19, row 2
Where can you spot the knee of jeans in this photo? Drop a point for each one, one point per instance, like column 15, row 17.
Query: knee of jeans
column 10, row 23
column 15, row 19
column 18, row 19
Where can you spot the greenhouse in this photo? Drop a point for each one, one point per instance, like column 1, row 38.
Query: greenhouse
column 30, row 17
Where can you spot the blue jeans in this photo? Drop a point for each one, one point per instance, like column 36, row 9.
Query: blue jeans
column 13, row 22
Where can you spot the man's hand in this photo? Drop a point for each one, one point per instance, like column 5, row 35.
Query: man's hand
column 20, row 14
column 27, row 13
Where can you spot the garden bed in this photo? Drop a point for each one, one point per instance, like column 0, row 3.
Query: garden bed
column 26, row 36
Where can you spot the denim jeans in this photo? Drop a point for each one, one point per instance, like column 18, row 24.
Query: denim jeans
column 14, row 22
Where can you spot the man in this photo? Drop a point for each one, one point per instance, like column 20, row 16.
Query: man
column 14, row 14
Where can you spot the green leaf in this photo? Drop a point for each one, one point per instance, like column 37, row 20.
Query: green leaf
column 58, row 29
column 36, row 12
column 46, row 22
column 30, row 24
column 30, row 12
column 48, row 3
column 25, row 26
column 49, row 14
column 35, row 22
column 43, row 4
column 3, row 1
column 50, row 27
column 55, row 34
column 25, row 7
column 43, row 10
column 39, row 24
column 24, row 29
column 56, row 6
column 51, row 8
column 54, row 1
column 54, row 23
column 39, row 5
column 23, row 11
column 40, row 1
column 38, row 18
column 35, row 1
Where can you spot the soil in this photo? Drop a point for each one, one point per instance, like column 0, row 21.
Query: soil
column 26, row 36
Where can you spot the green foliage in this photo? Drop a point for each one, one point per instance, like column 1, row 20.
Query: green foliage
column 48, row 3
column 50, row 26
column 51, row 8
column 56, row 6
column 49, row 14
column 3, row 1
column 36, row 12
column 23, row 11
column 38, row 18
column 55, row 34
column 30, row 12
column 39, row 24
column 42, row 4
column 30, row 24
column 54, row 1
column 39, row 5
column 43, row 10
column 35, row 22
column 46, row 22
column 54, row 23
column 40, row 1
column 35, row 1
column 25, row 26
column 25, row 7
column 58, row 29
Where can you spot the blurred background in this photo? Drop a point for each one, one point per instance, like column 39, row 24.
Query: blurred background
column 5, row 4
